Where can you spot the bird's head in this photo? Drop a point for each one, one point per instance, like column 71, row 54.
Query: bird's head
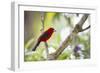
column 51, row 30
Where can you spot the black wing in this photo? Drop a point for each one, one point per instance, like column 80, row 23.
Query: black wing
column 45, row 35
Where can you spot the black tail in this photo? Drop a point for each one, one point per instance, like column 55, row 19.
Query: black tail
column 37, row 44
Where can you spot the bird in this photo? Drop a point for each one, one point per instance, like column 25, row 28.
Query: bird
column 44, row 37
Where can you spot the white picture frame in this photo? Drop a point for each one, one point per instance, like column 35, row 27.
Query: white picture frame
column 17, row 51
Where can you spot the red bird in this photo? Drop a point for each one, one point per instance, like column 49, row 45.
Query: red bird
column 44, row 37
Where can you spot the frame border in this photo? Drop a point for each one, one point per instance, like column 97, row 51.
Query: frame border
column 15, row 28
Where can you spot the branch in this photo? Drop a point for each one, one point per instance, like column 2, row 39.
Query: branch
column 47, row 50
column 42, row 20
column 46, row 44
column 67, row 41
column 83, row 19
column 86, row 28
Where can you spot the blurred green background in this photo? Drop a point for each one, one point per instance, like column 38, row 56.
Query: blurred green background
column 63, row 23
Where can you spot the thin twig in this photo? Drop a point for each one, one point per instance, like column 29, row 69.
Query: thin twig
column 47, row 50
column 42, row 20
column 86, row 28
column 46, row 44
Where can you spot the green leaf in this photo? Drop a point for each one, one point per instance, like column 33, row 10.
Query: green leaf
column 64, row 56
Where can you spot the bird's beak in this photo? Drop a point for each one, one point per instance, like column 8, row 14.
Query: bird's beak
column 54, row 30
